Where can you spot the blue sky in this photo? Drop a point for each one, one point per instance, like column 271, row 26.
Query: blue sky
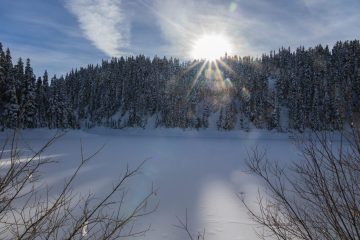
column 59, row 35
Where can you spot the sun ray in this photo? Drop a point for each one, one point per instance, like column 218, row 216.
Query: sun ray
column 177, row 77
column 198, row 75
column 218, row 72
column 192, row 65
column 226, row 66
column 209, row 71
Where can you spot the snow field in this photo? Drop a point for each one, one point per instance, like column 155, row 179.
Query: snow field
column 199, row 171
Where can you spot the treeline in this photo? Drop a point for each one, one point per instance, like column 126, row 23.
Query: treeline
column 315, row 88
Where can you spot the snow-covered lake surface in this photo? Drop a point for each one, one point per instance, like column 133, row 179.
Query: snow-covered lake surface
column 199, row 171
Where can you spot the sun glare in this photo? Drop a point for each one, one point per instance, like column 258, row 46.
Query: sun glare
column 211, row 47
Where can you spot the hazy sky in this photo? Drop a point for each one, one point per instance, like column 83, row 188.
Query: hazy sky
column 59, row 35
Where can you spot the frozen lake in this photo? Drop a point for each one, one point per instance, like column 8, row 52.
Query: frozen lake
column 199, row 171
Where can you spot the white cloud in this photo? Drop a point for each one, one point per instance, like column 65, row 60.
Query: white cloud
column 104, row 23
column 182, row 22
column 256, row 27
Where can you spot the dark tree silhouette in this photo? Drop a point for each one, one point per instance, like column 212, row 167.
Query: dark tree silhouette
column 317, row 198
column 30, row 211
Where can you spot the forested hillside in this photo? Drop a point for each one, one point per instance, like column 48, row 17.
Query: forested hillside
column 316, row 88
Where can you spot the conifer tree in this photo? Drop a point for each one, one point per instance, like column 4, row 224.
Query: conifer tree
column 28, row 105
column 2, row 77
column 10, row 108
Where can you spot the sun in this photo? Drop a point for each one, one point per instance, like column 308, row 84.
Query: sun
column 211, row 47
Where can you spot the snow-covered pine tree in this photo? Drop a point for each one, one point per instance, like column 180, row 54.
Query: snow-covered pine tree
column 28, row 105
column 19, row 78
column 229, row 121
column 10, row 109
column 45, row 99
column 2, row 79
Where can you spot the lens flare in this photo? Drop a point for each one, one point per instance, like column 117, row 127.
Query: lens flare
column 233, row 7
